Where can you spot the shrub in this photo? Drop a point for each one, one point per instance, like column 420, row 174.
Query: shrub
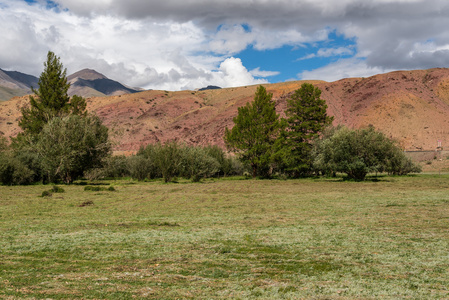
column 71, row 145
column 13, row 171
column 98, row 188
column 46, row 194
column 139, row 167
column 358, row 152
column 92, row 188
column 116, row 167
column 163, row 160
column 397, row 163
column 57, row 189
column 198, row 163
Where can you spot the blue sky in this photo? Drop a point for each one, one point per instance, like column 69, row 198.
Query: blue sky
column 288, row 60
column 179, row 44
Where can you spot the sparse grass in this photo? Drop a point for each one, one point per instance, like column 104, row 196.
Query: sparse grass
column 278, row 239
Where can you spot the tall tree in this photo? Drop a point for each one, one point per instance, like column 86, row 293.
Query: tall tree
column 306, row 119
column 59, row 141
column 50, row 99
column 255, row 131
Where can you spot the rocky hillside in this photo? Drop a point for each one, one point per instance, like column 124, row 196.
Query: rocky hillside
column 410, row 106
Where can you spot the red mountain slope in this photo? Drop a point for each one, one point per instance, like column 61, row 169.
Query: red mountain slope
column 410, row 106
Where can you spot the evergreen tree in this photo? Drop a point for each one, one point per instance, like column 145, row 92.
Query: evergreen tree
column 306, row 119
column 255, row 131
column 60, row 141
column 50, row 99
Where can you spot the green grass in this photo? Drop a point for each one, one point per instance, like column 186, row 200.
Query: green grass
column 293, row 239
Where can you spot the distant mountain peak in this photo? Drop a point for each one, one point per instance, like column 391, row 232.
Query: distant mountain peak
column 90, row 83
column 210, row 87
column 86, row 74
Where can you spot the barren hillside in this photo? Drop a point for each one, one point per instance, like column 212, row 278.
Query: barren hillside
column 410, row 106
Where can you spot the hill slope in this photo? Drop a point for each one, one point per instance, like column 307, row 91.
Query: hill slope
column 89, row 83
column 15, row 84
column 85, row 83
column 410, row 106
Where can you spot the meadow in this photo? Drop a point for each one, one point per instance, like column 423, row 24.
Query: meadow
column 228, row 238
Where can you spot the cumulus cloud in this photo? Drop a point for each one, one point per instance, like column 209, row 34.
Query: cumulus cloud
column 174, row 44
column 233, row 73
column 144, row 53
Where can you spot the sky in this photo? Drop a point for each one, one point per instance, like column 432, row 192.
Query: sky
column 189, row 44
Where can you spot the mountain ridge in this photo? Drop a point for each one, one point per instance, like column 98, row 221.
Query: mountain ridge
column 85, row 83
column 408, row 106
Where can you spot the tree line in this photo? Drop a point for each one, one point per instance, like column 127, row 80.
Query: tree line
column 304, row 143
column 62, row 142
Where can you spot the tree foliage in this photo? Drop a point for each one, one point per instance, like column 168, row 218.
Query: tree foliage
column 51, row 98
column 358, row 152
column 68, row 146
column 256, row 128
column 306, row 119
column 60, row 141
column 198, row 164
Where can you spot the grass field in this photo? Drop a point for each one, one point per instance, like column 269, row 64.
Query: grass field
column 295, row 239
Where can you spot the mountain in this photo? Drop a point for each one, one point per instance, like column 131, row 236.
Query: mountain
column 89, row 83
column 14, row 84
column 409, row 106
column 210, row 87
column 85, row 83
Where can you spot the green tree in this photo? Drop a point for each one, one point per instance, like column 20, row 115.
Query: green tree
column 3, row 144
column 168, row 159
column 71, row 145
column 359, row 152
column 50, row 99
column 256, row 128
column 306, row 119
column 198, row 164
column 12, row 170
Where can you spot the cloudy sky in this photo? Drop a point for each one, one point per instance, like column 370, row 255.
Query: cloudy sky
column 189, row 44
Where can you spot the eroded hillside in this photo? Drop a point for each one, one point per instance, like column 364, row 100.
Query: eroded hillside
column 410, row 106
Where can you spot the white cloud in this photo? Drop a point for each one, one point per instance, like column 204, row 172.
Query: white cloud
column 258, row 73
column 233, row 73
column 144, row 53
column 329, row 52
column 343, row 68
column 174, row 44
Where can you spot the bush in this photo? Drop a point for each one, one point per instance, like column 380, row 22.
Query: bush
column 198, row 163
column 71, row 145
column 399, row 164
column 159, row 160
column 358, row 152
column 30, row 159
column 13, row 171
column 57, row 189
column 98, row 188
column 116, row 167
column 139, row 167
column 46, row 194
